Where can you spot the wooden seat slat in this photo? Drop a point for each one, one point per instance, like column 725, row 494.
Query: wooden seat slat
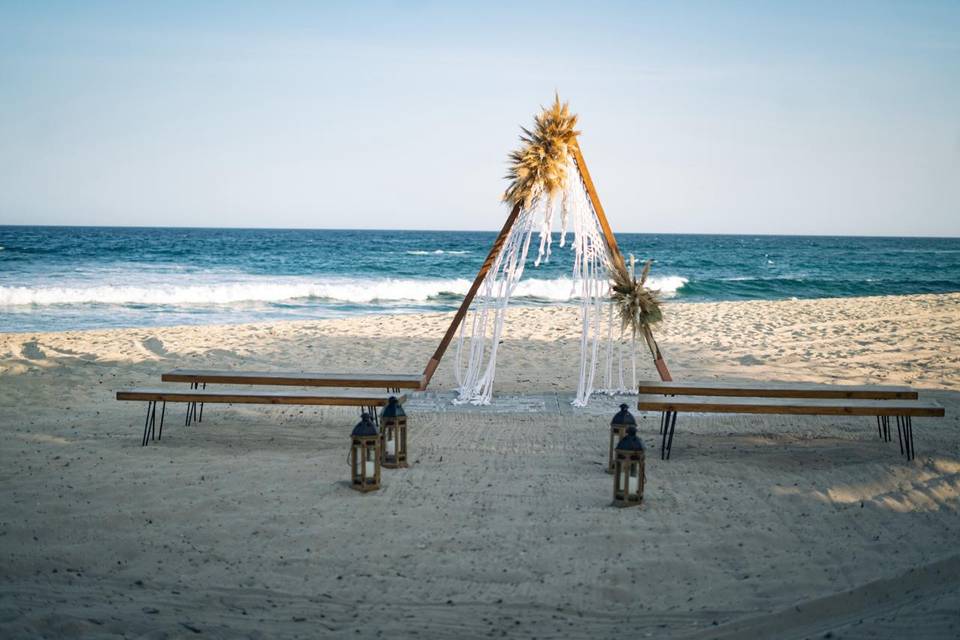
column 245, row 396
column 778, row 389
column 789, row 406
column 297, row 378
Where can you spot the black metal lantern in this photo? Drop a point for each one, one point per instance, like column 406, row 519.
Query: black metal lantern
column 618, row 429
column 365, row 455
column 629, row 472
column 393, row 429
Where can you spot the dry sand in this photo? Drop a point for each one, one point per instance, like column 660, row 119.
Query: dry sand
column 243, row 525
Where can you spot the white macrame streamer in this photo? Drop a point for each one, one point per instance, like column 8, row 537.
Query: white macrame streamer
column 481, row 332
column 488, row 312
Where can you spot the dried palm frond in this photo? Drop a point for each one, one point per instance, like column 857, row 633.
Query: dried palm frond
column 540, row 164
column 637, row 306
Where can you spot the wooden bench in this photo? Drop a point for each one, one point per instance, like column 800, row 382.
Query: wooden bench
column 368, row 401
column 779, row 390
column 881, row 402
column 200, row 378
column 388, row 381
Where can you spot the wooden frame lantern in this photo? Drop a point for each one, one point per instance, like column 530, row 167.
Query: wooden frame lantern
column 629, row 473
column 393, row 430
column 365, row 455
column 618, row 429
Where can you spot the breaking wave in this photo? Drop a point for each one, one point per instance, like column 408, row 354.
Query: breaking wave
column 437, row 252
column 270, row 291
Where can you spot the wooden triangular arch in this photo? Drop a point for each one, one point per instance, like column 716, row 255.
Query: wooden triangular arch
column 611, row 241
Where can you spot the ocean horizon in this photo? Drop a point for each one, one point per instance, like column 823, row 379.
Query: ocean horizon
column 65, row 278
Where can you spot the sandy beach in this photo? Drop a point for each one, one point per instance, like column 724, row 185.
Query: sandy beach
column 244, row 524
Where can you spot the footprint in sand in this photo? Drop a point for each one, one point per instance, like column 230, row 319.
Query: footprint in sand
column 155, row 346
column 32, row 351
column 749, row 359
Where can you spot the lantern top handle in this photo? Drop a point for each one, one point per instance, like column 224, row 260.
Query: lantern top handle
column 630, row 441
column 365, row 427
column 393, row 409
column 623, row 417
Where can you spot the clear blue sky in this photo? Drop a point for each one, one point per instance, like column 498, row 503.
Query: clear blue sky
column 766, row 117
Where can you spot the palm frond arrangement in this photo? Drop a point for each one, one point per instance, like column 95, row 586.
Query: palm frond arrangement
column 637, row 306
column 540, row 164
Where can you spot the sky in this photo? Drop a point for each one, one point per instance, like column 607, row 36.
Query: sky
column 716, row 117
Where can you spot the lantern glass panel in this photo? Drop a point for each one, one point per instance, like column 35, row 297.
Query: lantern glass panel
column 629, row 471
column 393, row 423
column 616, row 435
column 365, row 456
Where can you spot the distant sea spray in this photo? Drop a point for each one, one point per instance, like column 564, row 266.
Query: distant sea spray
column 56, row 278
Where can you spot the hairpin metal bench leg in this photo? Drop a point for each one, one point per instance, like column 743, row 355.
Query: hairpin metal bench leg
column 163, row 412
column 906, row 436
column 673, row 426
column 200, row 419
column 913, row 449
column 143, row 438
column 191, row 407
column 663, row 432
column 908, row 432
column 901, row 436
column 879, row 428
column 146, row 425
column 153, row 421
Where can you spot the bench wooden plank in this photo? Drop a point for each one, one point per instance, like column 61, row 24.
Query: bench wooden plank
column 244, row 396
column 777, row 389
column 297, row 379
column 790, row 406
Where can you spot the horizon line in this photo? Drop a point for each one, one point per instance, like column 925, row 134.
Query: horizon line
column 349, row 229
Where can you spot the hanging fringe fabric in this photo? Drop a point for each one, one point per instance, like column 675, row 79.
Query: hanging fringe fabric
column 480, row 332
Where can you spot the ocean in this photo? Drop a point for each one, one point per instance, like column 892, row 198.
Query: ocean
column 61, row 278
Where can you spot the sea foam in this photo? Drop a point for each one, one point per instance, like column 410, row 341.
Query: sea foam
column 271, row 291
column 436, row 252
